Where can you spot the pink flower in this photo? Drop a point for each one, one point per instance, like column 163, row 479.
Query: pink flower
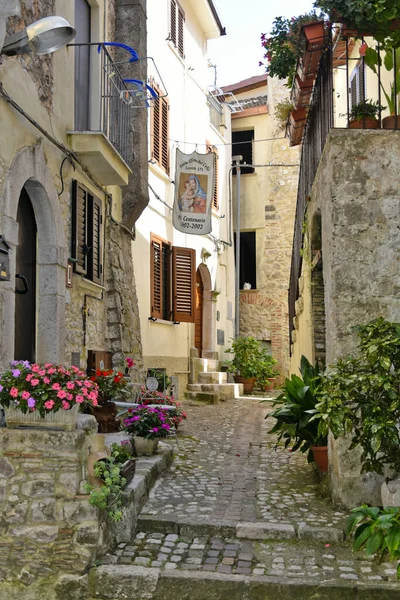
column 70, row 385
column 47, row 365
column 363, row 48
column 84, row 392
column 35, row 382
column 14, row 392
column 46, row 380
column 61, row 394
column 25, row 395
column 29, row 377
column 65, row 405
column 95, row 403
column 80, row 399
column 92, row 396
column 56, row 386
column 70, row 397
column 49, row 404
column 87, row 383
column 51, row 371
column 42, row 372
column 35, row 368
column 130, row 362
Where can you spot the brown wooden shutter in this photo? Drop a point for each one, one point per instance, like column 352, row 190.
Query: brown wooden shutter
column 95, row 266
column 156, row 131
column 215, row 196
column 172, row 33
column 181, row 20
column 79, row 227
column 183, row 284
column 156, row 277
column 164, row 134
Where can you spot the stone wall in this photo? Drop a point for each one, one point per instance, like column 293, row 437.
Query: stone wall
column 356, row 191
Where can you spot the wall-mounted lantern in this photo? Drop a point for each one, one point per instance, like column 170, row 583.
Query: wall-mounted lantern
column 4, row 260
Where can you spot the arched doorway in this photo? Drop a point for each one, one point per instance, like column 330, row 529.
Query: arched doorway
column 25, row 282
column 198, row 327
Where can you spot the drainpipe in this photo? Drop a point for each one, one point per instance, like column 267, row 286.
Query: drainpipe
column 237, row 160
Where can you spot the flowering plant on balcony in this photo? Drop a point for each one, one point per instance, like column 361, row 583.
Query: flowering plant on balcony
column 285, row 45
column 112, row 383
column 47, row 388
column 147, row 422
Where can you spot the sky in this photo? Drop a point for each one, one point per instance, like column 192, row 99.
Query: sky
column 238, row 53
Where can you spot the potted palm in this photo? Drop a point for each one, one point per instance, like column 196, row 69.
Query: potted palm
column 246, row 362
column 296, row 422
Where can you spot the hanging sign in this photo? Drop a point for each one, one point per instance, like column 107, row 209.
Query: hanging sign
column 194, row 191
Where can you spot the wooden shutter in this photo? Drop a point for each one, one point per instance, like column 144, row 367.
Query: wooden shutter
column 156, row 277
column 164, row 134
column 95, row 267
column 183, row 284
column 155, row 131
column 181, row 20
column 357, row 85
column 172, row 33
column 79, row 227
column 210, row 149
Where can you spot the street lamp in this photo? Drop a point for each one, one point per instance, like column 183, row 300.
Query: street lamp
column 42, row 37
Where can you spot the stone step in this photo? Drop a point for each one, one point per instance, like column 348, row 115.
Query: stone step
column 169, row 566
column 204, row 397
column 212, row 377
column 225, row 391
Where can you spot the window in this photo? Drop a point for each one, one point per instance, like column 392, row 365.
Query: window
column 172, row 281
column 87, row 228
column 212, row 149
column 247, row 259
column 357, row 85
column 177, row 19
column 242, row 144
column 159, row 131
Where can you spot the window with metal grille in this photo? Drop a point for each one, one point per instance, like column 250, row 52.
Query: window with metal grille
column 172, row 281
column 357, row 85
column 159, row 130
column 212, row 149
column 177, row 21
column 242, row 144
column 87, row 233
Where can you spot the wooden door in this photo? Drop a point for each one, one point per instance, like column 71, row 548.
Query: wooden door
column 82, row 65
column 25, row 282
column 198, row 332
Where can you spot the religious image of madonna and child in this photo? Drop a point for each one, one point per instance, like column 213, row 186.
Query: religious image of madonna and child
column 193, row 198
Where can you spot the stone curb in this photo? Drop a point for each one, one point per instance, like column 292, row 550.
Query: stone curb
column 241, row 530
column 109, row 582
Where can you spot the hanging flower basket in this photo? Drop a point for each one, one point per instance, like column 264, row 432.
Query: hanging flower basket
column 302, row 91
column 297, row 122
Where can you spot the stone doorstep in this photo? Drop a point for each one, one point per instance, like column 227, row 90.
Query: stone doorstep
column 242, row 530
column 204, row 397
column 212, row 377
column 125, row 581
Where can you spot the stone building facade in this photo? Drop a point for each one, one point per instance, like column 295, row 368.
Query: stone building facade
column 267, row 208
column 81, row 288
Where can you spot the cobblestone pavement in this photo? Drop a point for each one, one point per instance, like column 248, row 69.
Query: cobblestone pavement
column 228, row 468
column 324, row 563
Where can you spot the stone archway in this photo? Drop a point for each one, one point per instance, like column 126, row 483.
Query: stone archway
column 208, row 342
column 29, row 170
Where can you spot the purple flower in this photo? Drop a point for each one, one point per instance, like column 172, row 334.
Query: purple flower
column 26, row 364
column 1, row 388
column 31, row 402
column 155, row 429
column 16, row 372
column 165, row 426
column 14, row 363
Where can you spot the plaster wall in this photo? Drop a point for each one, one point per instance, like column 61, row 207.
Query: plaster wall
column 185, row 80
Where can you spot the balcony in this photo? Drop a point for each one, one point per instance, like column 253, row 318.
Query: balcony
column 348, row 81
column 101, row 136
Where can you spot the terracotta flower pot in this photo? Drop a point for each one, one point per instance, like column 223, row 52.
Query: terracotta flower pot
column 392, row 122
column 315, row 33
column 248, row 384
column 320, row 454
column 367, row 123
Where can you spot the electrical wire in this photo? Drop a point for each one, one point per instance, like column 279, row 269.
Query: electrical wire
column 161, row 137
column 160, row 199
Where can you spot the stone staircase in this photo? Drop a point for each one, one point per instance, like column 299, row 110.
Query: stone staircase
column 208, row 384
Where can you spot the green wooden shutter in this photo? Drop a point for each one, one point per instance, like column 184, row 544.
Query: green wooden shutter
column 79, row 227
column 183, row 284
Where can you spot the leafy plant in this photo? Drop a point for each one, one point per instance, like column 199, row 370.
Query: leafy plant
column 109, row 496
column 361, row 396
column 282, row 112
column 122, row 452
column 295, row 423
column 374, row 17
column 365, row 109
column 266, row 367
column 285, row 45
column 147, row 422
column 391, row 58
column 376, row 531
column 246, row 362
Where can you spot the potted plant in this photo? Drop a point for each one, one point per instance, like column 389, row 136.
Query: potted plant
column 364, row 115
column 112, row 384
column 175, row 414
column 285, row 45
column 391, row 60
column 266, row 371
column 297, row 122
column 123, row 454
column 246, row 362
column 45, row 395
column 359, row 396
column 107, row 493
column 296, row 423
column 147, row 425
